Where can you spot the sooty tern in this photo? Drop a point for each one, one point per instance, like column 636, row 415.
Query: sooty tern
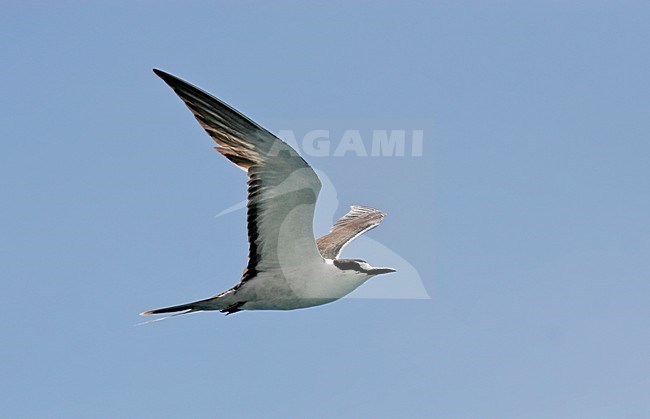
column 287, row 269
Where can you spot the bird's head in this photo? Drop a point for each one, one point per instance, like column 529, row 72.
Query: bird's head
column 360, row 266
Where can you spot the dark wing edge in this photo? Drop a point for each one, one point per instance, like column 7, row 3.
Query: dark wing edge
column 239, row 139
column 356, row 222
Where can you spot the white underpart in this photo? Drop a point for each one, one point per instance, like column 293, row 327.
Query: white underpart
column 303, row 278
column 308, row 285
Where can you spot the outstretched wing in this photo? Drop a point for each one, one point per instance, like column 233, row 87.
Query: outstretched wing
column 282, row 187
column 353, row 224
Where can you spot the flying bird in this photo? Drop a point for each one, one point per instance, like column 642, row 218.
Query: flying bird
column 287, row 268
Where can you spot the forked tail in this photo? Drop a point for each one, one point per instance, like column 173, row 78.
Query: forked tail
column 220, row 302
column 189, row 307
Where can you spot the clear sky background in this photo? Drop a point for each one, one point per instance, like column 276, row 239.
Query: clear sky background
column 527, row 217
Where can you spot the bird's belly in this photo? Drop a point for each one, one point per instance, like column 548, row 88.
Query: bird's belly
column 295, row 288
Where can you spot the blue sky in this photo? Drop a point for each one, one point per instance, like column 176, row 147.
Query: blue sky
column 526, row 217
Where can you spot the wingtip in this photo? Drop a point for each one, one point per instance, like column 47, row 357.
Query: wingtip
column 171, row 80
column 162, row 74
column 146, row 313
column 365, row 208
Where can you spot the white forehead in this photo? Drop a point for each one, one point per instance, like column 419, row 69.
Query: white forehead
column 365, row 266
